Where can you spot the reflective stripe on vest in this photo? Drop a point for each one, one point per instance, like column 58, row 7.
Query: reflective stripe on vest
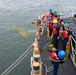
column 65, row 34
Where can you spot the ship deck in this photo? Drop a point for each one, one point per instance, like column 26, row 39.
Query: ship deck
column 67, row 68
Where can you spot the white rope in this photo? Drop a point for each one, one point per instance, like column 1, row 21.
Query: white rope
column 47, row 69
column 17, row 61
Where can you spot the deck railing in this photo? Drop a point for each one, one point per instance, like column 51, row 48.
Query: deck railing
column 73, row 51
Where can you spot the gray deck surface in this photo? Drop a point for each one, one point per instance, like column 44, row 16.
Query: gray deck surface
column 67, row 68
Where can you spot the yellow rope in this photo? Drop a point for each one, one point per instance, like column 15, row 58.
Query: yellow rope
column 67, row 52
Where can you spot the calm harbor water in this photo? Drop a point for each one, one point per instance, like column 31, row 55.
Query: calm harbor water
column 21, row 13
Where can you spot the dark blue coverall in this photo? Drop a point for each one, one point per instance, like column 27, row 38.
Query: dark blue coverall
column 55, row 41
column 55, row 66
column 66, row 40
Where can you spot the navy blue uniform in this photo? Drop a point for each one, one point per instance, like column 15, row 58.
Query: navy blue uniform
column 56, row 34
column 65, row 40
column 55, row 65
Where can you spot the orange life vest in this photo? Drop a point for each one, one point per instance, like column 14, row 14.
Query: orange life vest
column 65, row 34
column 54, row 18
column 55, row 31
column 54, row 55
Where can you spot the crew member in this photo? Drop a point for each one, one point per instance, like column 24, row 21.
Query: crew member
column 50, row 26
column 50, row 12
column 67, row 34
column 39, row 28
column 55, row 13
column 55, row 33
column 60, row 21
column 56, row 58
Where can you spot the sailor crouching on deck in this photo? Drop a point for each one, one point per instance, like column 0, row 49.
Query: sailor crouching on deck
column 56, row 58
column 55, row 33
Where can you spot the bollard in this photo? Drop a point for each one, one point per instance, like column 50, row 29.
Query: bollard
column 37, row 57
column 36, row 68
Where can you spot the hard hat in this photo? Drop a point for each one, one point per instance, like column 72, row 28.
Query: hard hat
column 61, row 54
column 54, row 55
column 58, row 15
column 50, row 9
column 49, row 19
column 54, row 11
column 66, row 25
column 55, row 21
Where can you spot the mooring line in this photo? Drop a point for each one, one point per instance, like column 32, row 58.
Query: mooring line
column 47, row 69
column 17, row 61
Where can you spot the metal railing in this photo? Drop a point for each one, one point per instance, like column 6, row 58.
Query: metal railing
column 73, row 51
column 67, row 14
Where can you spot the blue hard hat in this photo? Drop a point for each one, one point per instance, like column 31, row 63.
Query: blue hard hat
column 49, row 19
column 61, row 54
column 50, row 9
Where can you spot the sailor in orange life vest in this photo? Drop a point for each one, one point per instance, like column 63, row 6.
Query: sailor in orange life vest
column 50, row 25
column 55, row 13
column 50, row 12
column 56, row 58
column 55, row 33
column 60, row 21
column 67, row 34
column 54, row 17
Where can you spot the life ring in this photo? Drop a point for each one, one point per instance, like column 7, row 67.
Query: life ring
column 44, row 18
